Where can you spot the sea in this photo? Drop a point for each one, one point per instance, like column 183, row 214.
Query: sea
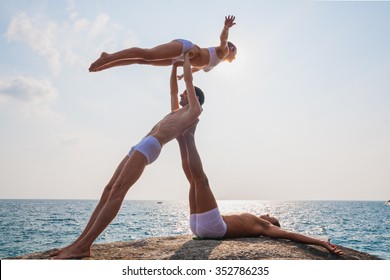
column 29, row 226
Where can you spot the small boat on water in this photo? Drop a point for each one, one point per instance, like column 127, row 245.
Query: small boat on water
column 387, row 202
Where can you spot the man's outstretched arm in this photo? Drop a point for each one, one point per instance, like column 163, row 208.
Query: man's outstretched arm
column 277, row 232
column 174, row 88
column 194, row 107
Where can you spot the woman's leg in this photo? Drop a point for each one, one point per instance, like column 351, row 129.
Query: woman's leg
column 131, row 172
column 126, row 62
column 165, row 51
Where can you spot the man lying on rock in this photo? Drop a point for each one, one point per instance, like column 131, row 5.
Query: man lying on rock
column 207, row 222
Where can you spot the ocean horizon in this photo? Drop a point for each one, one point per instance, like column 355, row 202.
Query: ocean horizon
column 35, row 225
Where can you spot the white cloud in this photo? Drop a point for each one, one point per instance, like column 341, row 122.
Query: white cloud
column 72, row 9
column 80, row 25
column 98, row 25
column 67, row 139
column 38, row 35
column 70, row 42
column 32, row 95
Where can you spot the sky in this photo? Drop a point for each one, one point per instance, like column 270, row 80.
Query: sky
column 303, row 113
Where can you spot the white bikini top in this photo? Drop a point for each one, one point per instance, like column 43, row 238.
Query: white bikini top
column 214, row 60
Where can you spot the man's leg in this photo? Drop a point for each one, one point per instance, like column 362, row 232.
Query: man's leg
column 187, row 172
column 204, row 197
column 131, row 172
column 200, row 188
column 206, row 222
column 99, row 206
column 192, row 198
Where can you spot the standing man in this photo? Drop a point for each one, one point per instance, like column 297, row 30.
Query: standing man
column 132, row 166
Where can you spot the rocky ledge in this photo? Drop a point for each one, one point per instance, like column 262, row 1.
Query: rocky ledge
column 184, row 247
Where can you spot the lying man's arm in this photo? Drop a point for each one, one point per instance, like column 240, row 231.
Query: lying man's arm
column 277, row 232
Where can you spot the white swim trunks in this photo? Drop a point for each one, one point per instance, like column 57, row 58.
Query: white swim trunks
column 149, row 147
column 208, row 224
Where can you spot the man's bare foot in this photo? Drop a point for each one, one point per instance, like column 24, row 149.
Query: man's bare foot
column 56, row 252
column 99, row 62
column 73, row 253
column 59, row 251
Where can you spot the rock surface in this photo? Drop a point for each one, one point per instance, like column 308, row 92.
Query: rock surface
column 184, row 247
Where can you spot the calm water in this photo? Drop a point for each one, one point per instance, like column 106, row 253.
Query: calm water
column 29, row 226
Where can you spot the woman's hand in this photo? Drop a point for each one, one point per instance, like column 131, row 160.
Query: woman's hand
column 229, row 21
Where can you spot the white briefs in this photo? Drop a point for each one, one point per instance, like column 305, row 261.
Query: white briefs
column 149, row 147
column 208, row 224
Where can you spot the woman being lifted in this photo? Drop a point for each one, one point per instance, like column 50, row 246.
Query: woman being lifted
column 168, row 54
